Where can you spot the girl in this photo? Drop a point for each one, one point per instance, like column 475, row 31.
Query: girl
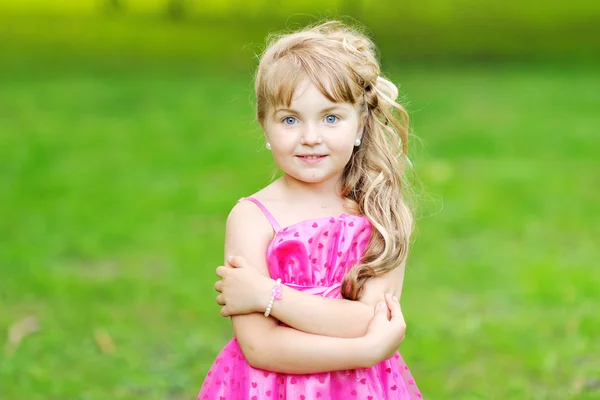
column 334, row 230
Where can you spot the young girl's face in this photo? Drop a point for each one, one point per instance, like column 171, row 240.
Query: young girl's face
column 313, row 139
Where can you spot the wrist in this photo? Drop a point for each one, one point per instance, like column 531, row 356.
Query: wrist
column 263, row 295
column 275, row 295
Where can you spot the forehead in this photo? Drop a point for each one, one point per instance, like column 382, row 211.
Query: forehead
column 280, row 81
column 308, row 96
column 306, row 92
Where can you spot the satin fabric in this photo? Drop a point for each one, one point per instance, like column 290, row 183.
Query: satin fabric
column 311, row 256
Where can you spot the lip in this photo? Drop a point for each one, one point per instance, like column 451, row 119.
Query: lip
column 311, row 158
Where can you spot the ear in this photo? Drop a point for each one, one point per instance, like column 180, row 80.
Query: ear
column 361, row 125
column 361, row 129
column 264, row 130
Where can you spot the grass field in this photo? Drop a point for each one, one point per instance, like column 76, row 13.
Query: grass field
column 115, row 185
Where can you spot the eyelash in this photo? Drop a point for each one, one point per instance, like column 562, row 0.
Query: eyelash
column 330, row 115
column 284, row 119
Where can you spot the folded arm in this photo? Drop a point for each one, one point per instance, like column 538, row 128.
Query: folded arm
column 247, row 288
column 271, row 347
column 335, row 317
column 267, row 345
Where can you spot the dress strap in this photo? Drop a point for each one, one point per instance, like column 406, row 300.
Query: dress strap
column 269, row 216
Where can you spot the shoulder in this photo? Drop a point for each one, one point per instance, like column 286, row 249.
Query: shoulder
column 248, row 234
column 248, row 214
column 247, row 220
column 246, row 211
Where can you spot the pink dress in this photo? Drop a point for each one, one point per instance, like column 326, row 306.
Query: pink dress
column 311, row 256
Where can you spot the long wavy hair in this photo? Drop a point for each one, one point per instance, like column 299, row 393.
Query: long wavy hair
column 344, row 65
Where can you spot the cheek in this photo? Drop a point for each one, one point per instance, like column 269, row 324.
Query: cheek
column 280, row 139
column 282, row 144
column 343, row 146
column 281, row 149
column 344, row 153
column 347, row 156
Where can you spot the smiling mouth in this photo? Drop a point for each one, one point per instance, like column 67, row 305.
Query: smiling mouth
column 312, row 157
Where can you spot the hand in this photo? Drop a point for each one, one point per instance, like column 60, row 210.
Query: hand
column 385, row 335
column 243, row 290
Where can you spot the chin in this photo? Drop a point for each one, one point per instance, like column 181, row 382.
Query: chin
column 312, row 178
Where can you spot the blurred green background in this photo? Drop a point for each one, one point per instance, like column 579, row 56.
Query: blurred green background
column 127, row 134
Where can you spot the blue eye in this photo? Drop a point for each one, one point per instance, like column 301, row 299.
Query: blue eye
column 331, row 119
column 289, row 120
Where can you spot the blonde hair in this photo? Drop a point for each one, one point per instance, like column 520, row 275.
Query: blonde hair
column 343, row 64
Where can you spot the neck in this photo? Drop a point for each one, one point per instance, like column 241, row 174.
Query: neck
column 324, row 194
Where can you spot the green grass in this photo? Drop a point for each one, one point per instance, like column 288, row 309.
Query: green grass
column 115, row 185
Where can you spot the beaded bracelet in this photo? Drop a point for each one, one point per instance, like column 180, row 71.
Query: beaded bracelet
column 275, row 295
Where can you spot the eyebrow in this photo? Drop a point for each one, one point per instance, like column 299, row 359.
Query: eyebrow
column 327, row 109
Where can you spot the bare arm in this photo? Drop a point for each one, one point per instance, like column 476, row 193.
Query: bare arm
column 247, row 290
column 287, row 350
column 269, row 346
column 336, row 317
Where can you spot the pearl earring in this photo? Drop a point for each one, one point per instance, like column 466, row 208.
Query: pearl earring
column 268, row 146
column 357, row 142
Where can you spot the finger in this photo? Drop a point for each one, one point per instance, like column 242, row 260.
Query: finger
column 397, row 318
column 236, row 261
column 380, row 310
column 219, row 286
column 394, row 306
column 221, row 271
column 221, row 300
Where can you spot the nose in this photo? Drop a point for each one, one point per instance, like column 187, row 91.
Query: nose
column 311, row 135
